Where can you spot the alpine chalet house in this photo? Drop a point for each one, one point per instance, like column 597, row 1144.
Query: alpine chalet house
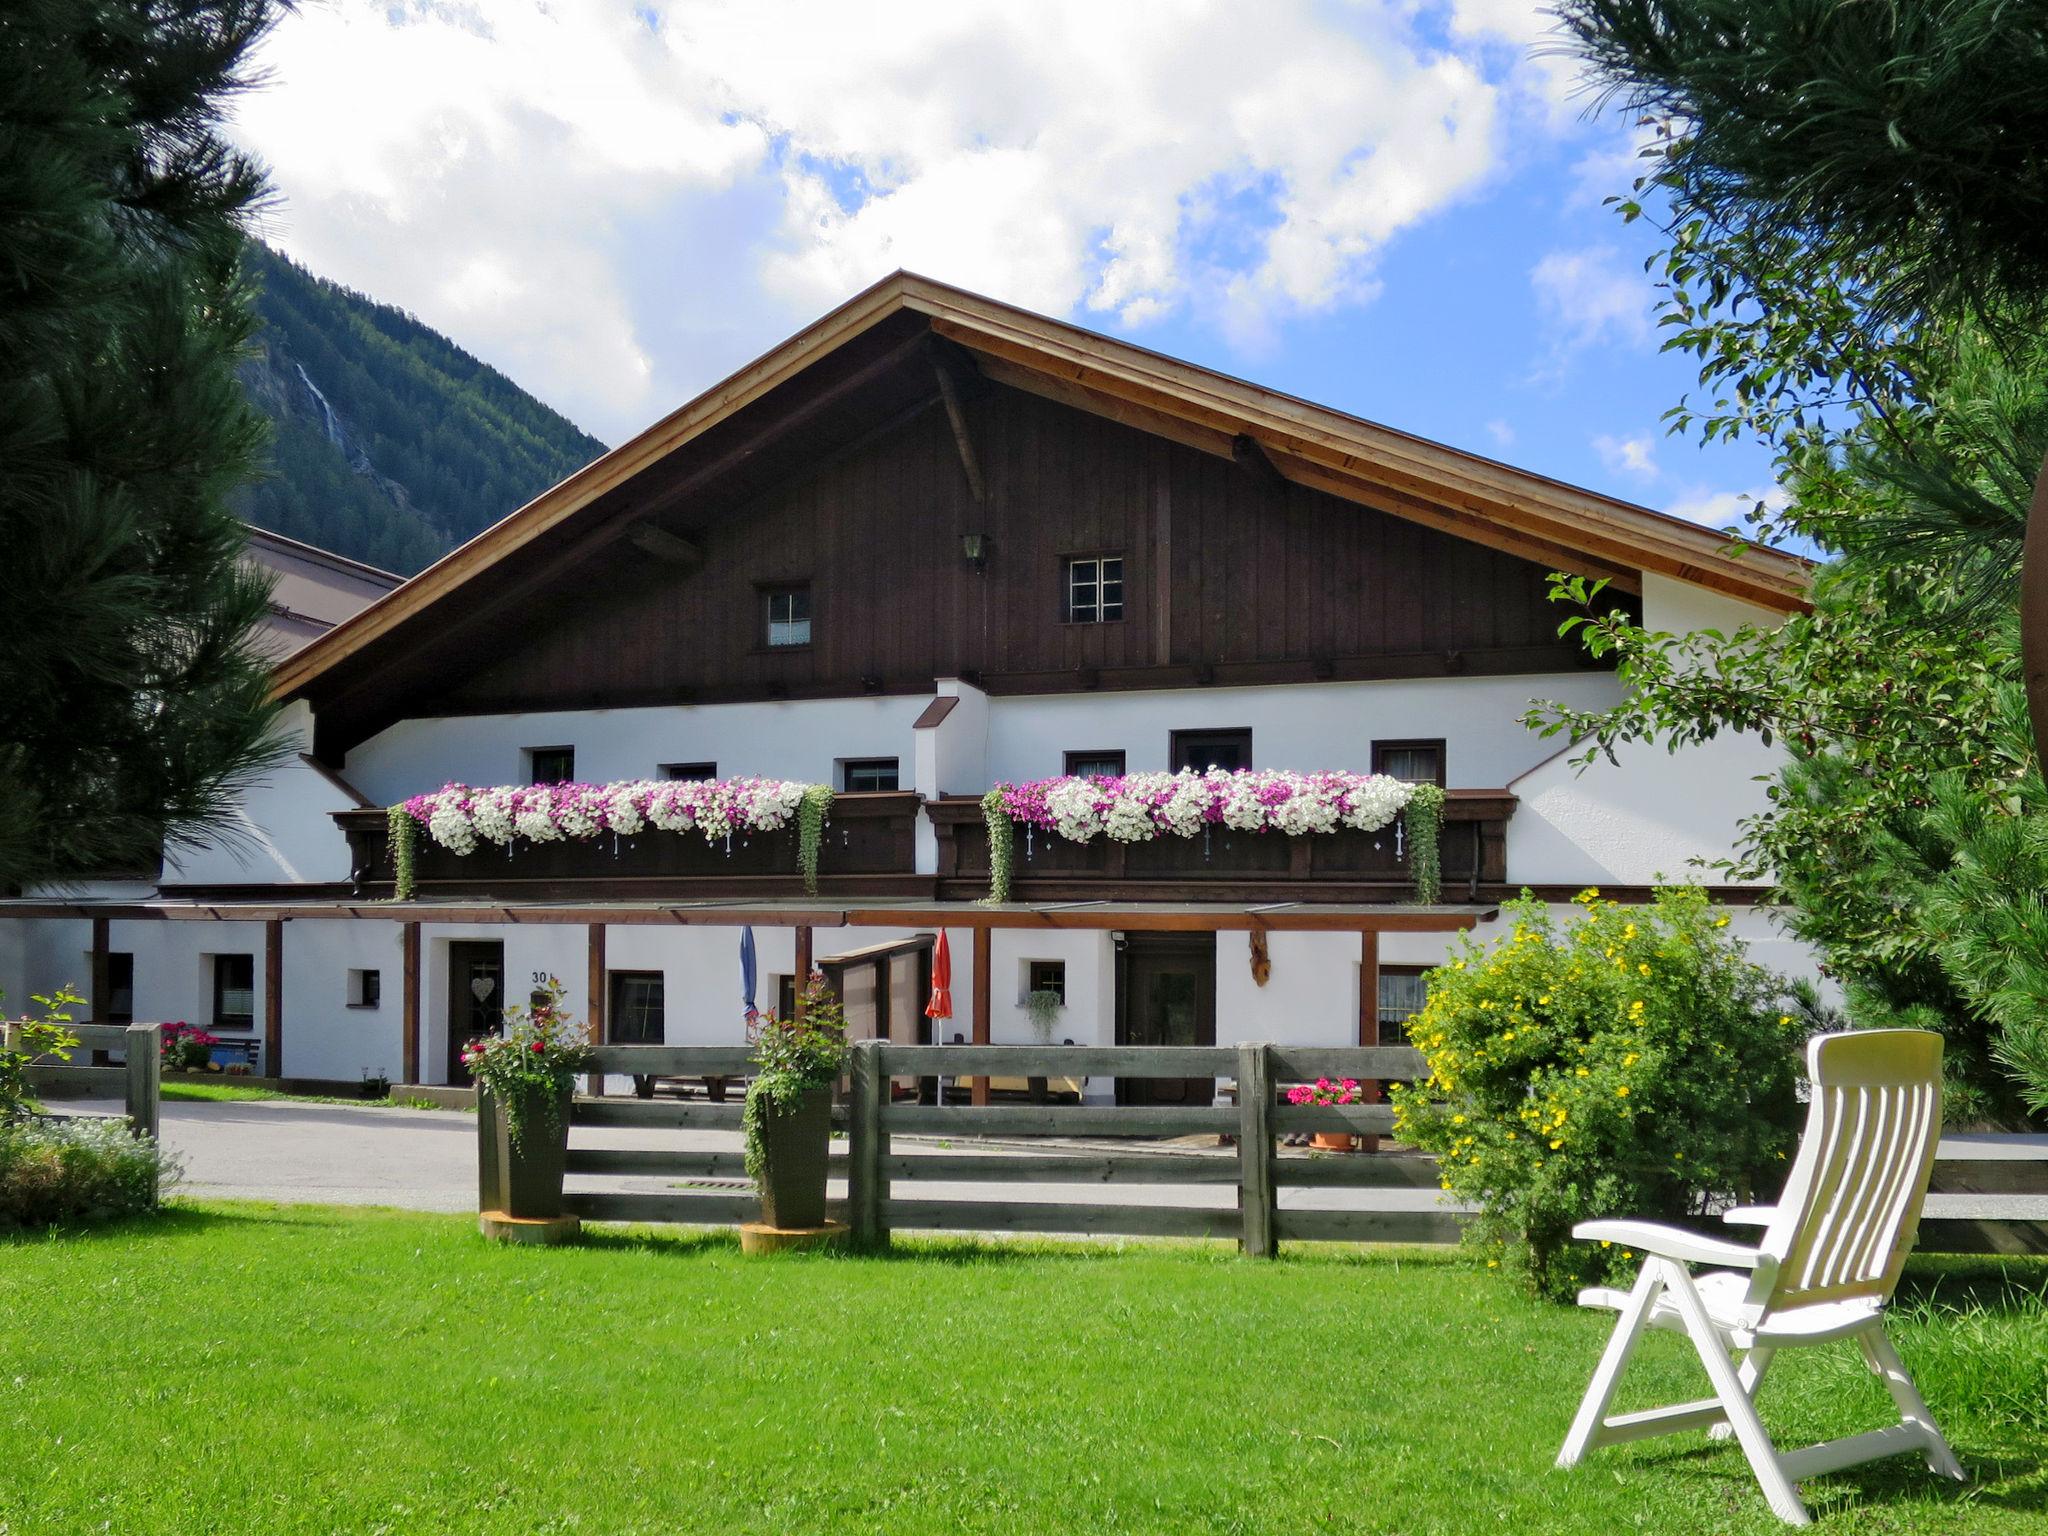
column 929, row 546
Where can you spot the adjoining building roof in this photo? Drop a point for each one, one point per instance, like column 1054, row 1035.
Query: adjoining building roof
column 1444, row 488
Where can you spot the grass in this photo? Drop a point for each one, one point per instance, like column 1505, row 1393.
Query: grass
column 236, row 1093
column 235, row 1368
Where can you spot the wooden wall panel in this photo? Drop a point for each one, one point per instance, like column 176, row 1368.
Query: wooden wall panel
column 1262, row 573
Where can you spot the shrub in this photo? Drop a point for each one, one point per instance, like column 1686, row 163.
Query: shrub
column 81, row 1170
column 1634, row 1063
column 46, row 1036
column 186, row 1047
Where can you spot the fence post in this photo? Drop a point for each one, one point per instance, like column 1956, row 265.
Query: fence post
column 1255, row 1150
column 145, row 1076
column 866, row 1142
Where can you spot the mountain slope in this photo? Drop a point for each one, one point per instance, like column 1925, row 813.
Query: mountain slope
column 392, row 444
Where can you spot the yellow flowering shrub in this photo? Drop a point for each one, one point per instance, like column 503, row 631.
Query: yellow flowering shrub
column 1624, row 1062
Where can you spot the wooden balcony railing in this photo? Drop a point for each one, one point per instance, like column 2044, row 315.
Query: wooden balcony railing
column 869, row 849
column 1222, row 865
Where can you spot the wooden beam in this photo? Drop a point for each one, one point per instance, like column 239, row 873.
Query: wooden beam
column 409, row 1007
column 982, row 984
column 273, row 998
column 1369, row 1014
column 1034, row 382
column 1252, row 456
column 956, row 414
column 599, row 995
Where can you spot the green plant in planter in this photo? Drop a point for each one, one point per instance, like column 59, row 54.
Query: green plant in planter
column 1002, row 847
column 403, row 834
column 531, row 1068
column 1043, row 1008
column 1424, row 815
column 796, row 1061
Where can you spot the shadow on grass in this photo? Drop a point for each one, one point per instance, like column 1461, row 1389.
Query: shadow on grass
column 1986, row 1283
column 175, row 1223
column 1998, row 1480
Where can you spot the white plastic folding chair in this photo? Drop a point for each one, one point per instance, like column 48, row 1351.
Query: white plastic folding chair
column 1830, row 1257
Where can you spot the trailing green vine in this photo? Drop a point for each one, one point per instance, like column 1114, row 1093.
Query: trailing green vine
column 403, row 833
column 810, row 832
column 1425, row 818
column 1002, row 847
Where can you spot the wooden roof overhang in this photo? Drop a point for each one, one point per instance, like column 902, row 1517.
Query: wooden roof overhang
column 1100, row 916
column 901, row 348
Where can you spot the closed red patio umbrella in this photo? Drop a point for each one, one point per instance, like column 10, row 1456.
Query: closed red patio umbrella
column 941, row 1005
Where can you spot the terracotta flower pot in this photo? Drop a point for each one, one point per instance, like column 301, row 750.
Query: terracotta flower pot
column 1334, row 1141
column 795, row 1147
column 533, row 1166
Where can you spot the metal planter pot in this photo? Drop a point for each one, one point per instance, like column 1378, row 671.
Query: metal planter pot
column 796, row 1146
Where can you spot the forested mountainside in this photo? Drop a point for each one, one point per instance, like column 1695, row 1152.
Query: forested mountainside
column 392, row 445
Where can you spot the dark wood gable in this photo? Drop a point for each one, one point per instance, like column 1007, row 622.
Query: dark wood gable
column 1232, row 575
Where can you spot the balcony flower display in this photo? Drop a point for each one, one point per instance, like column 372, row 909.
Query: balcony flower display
column 1137, row 807
column 462, row 818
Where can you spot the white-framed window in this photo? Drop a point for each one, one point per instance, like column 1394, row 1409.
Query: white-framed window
column 1094, row 589
column 1403, row 991
column 789, row 614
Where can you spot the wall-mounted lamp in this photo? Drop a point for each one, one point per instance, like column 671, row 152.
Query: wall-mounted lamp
column 975, row 547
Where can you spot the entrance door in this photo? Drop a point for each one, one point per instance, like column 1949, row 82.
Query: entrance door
column 1169, row 998
column 476, row 997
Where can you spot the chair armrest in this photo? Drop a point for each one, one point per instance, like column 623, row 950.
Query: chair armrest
column 1750, row 1215
column 1667, row 1242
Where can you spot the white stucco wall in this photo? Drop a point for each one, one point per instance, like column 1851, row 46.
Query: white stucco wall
column 283, row 832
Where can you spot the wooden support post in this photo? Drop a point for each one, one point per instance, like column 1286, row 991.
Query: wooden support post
column 982, row 980
column 102, row 979
column 145, row 1077
column 600, row 988
column 1369, row 1017
column 1255, row 1150
column 273, row 997
column 409, row 1007
column 803, row 970
column 867, row 1145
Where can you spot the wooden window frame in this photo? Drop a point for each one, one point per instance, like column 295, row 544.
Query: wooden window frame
column 533, row 756
column 1379, row 1007
column 1097, row 559
column 614, row 987
column 765, row 593
column 1068, row 760
column 1437, row 744
column 669, row 773
column 219, row 1018
column 847, row 765
column 1175, row 740
column 1031, row 978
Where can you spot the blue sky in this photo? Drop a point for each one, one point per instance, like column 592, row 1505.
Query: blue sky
column 1389, row 206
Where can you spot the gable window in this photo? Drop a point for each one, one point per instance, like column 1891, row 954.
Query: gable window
column 550, row 765
column 689, row 771
column 639, row 1002
column 119, row 1005
column 234, row 991
column 1095, row 765
column 789, row 614
column 858, row 774
column 1094, row 590
column 1202, row 750
column 1403, row 991
column 1419, row 762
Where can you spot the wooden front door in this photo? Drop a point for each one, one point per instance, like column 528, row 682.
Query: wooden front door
column 476, row 997
column 1169, row 998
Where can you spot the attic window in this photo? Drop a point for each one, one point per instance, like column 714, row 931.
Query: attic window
column 789, row 614
column 1094, row 589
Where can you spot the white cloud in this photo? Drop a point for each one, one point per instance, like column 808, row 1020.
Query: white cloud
column 1590, row 297
column 1726, row 509
column 1502, row 434
column 618, row 202
column 1635, row 456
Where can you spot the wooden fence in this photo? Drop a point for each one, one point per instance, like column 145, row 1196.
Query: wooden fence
column 896, row 1188
column 138, row 1082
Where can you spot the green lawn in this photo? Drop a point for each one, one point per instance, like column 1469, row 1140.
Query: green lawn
column 305, row 1369
column 230, row 1092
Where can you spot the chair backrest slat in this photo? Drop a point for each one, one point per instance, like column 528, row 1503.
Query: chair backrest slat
column 1851, row 1206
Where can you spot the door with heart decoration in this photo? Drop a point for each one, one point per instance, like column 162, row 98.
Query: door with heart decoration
column 476, row 997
